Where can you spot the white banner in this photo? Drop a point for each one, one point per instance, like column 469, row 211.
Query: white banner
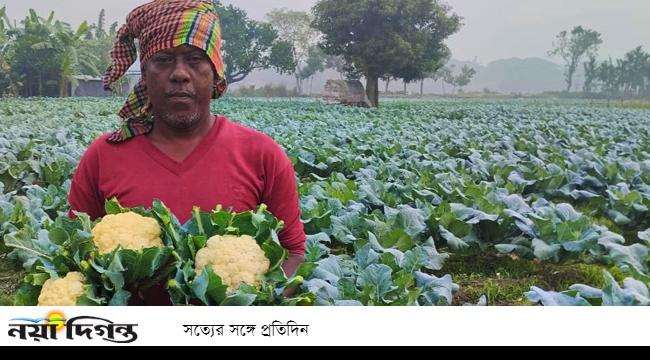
column 300, row 326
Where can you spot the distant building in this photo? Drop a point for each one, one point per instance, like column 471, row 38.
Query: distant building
column 93, row 87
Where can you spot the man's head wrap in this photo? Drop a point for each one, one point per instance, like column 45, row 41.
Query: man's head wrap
column 161, row 25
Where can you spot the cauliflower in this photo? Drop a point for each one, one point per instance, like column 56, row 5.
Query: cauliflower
column 128, row 230
column 62, row 292
column 236, row 259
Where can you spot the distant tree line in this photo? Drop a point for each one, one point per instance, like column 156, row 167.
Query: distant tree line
column 385, row 39
column 628, row 77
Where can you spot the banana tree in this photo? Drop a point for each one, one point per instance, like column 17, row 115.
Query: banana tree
column 72, row 56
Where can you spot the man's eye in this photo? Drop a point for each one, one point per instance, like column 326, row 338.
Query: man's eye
column 163, row 59
column 195, row 59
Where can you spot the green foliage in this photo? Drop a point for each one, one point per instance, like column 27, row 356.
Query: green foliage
column 67, row 246
column 250, row 45
column 208, row 287
column 294, row 28
column 378, row 39
column 42, row 56
column 573, row 46
column 390, row 207
column 628, row 77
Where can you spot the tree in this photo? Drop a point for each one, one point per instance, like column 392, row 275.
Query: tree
column 314, row 64
column 6, row 79
column 633, row 68
column 609, row 74
column 626, row 77
column 436, row 73
column 74, row 59
column 447, row 75
column 380, row 38
column 45, row 55
column 439, row 75
column 424, row 66
column 573, row 47
column 38, row 68
column 5, row 25
column 99, row 30
column 294, row 27
column 465, row 76
column 646, row 75
column 591, row 74
column 71, row 57
column 250, row 45
column 387, row 80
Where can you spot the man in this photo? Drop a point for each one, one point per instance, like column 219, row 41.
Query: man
column 170, row 147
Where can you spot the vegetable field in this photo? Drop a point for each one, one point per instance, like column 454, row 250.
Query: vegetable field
column 415, row 203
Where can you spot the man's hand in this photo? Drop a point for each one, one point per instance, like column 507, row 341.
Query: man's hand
column 289, row 268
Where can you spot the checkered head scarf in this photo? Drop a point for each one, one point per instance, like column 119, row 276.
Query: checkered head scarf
column 161, row 25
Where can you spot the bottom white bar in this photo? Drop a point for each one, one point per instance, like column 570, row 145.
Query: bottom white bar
column 324, row 326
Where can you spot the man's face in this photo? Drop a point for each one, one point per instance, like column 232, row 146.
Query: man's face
column 180, row 85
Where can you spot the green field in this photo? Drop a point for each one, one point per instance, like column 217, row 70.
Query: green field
column 415, row 203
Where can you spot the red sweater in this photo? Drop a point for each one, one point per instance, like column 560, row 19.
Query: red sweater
column 234, row 166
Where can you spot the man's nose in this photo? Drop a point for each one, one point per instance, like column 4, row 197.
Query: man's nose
column 180, row 73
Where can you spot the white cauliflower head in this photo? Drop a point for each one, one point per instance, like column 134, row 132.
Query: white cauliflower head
column 129, row 230
column 236, row 259
column 62, row 292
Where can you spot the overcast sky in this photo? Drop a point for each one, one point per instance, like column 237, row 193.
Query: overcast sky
column 494, row 29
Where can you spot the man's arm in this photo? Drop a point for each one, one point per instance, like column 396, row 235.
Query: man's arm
column 281, row 196
column 84, row 193
column 283, row 202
